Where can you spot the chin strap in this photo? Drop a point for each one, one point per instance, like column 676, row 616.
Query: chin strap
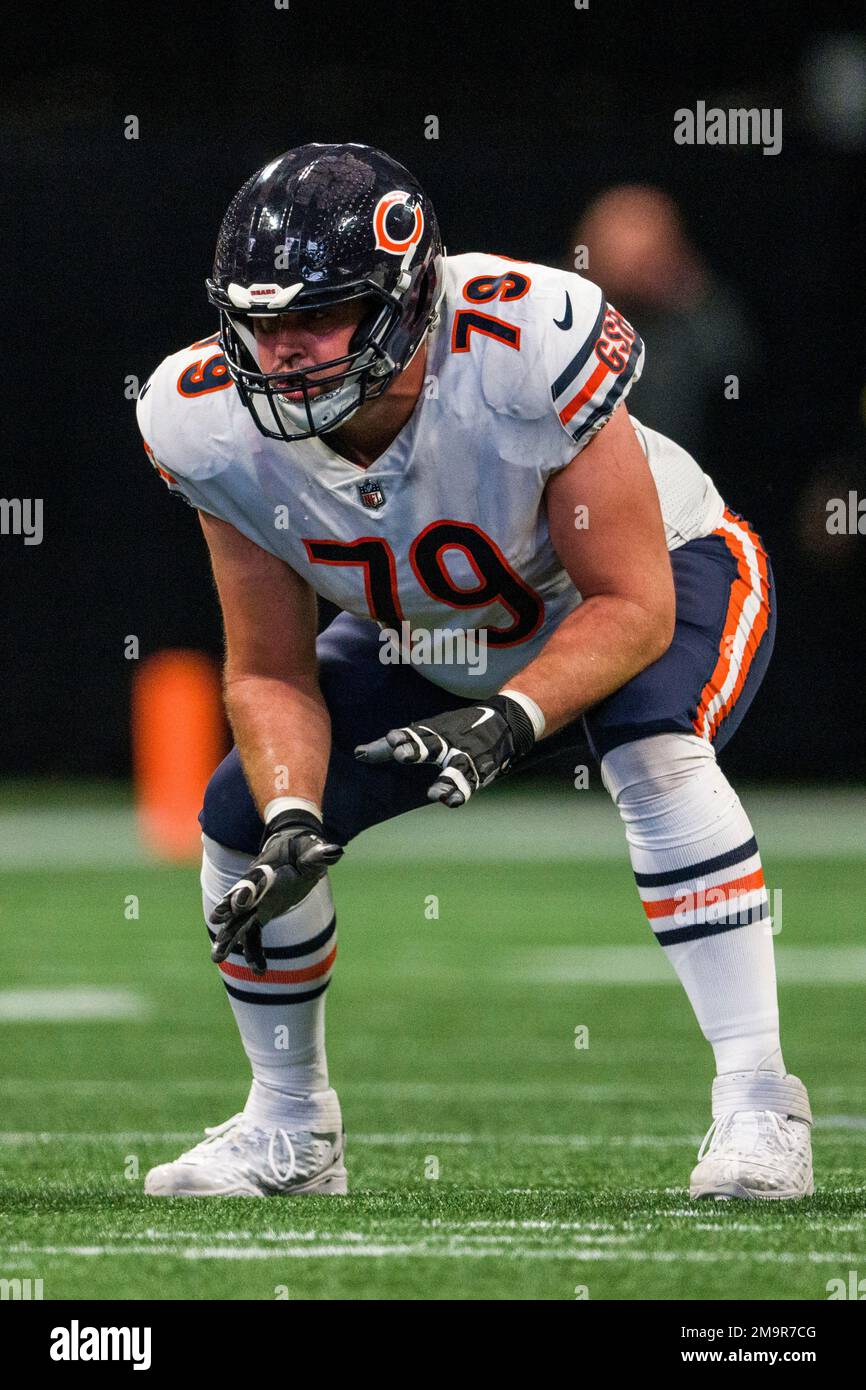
column 440, row 264
column 247, row 338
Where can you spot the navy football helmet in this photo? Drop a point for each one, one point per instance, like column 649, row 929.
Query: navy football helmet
column 320, row 225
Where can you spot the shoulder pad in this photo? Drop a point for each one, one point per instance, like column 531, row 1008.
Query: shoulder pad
column 538, row 337
column 186, row 413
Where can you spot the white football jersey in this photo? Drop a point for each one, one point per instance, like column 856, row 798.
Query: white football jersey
column 447, row 530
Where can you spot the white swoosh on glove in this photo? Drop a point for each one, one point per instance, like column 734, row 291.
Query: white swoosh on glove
column 488, row 714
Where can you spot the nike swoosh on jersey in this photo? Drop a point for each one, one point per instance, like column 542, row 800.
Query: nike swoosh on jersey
column 565, row 322
column 488, row 714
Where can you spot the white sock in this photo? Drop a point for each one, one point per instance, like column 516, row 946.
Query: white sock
column 281, row 1015
column 699, row 876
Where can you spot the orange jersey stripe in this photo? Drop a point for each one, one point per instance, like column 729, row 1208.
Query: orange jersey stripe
column 586, row 391
column 666, row 907
column 279, row 977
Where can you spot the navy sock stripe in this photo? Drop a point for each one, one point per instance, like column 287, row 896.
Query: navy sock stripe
column 675, row 935
column 707, row 866
column 302, row 948
column 247, row 997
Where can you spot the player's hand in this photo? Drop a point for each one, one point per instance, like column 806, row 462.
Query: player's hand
column 293, row 857
column 472, row 746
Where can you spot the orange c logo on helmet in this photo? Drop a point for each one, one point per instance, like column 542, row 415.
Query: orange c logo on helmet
column 397, row 245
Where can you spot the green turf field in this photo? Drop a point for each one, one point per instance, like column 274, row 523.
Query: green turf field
column 488, row 1156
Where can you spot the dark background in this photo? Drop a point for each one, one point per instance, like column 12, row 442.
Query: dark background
column 107, row 241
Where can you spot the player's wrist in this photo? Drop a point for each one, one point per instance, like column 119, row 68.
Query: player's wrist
column 521, row 709
column 279, row 804
column 518, row 720
column 290, row 813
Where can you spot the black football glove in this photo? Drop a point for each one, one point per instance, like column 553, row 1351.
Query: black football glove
column 472, row 746
column 293, row 857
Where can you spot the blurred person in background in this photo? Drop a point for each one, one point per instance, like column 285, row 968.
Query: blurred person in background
column 637, row 248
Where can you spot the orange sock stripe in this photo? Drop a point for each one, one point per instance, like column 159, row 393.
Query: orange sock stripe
column 666, row 907
column 279, row 977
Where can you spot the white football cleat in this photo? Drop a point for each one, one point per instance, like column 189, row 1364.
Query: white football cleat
column 242, row 1159
column 759, row 1144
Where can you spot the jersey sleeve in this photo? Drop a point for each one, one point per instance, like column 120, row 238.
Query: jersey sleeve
column 172, row 483
column 554, row 352
column 181, row 448
column 592, row 356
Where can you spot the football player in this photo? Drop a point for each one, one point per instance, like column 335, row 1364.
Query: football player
column 445, row 444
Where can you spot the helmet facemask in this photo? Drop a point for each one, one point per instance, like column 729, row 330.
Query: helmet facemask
column 332, row 390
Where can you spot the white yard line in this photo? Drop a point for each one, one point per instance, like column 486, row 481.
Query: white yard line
column 20, row 1138
column 92, row 838
column 648, row 965
column 418, row 1249
column 555, row 825
column 612, row 1092
column 587, row 1231
column 69, row 1004
column 829, row 1128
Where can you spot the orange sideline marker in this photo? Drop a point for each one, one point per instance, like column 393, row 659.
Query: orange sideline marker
column 178, row 737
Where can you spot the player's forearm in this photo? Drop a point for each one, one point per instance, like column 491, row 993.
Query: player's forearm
column 283, row 734
column 594, row 651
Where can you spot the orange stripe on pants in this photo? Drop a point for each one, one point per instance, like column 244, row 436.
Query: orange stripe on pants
column 741, row 589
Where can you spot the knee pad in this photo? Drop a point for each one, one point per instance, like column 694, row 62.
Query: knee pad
column 220, row 868
column 668, row 786
column 228, row 815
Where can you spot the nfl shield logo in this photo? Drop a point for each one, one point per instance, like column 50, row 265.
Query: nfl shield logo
column 372, row 494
